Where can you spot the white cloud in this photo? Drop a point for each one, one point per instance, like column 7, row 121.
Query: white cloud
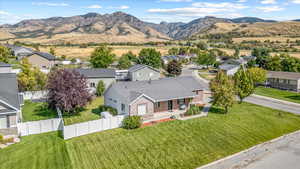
column 270, row 8
column 94, row 7
column 4, row 13
column 176, row 0
column 226, row 5
column 119, row 7
column 296, row 1
column 201, row 9
column 49, row 4
column 268, row 2
column 241, row 1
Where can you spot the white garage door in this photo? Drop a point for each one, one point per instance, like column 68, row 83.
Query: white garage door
column 142, row 109
column 3, row 122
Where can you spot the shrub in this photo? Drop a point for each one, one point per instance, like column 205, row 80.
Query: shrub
column 1, row 139
column 132, row 122
column 109, row 109
column 193, row 110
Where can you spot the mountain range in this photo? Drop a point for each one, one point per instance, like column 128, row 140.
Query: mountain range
column 122, row 27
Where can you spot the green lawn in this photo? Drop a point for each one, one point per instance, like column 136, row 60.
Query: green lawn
column 32, row 111
column 175, row 144
column 278, row 94
column 86, row 114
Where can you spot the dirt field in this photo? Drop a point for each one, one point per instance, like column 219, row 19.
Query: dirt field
column 84, row 53
column 278, row 38
column 231, row 51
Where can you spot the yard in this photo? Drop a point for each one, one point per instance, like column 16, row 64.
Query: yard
column 33, row 111
column 87, row 114
column 174, row 144
column 278, row 94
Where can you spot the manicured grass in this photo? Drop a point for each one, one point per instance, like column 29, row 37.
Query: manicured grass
column 87, row 114
column 278, row 94
column 47, row 151
column 32, row 111
column 175, row 144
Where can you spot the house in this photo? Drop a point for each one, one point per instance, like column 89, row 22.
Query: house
column 42, row 60
column 284, row 80
column 10, row 102
column 94, row 75
column 152, row 97
column 5, row 68
column 19, row 51
column 142, row 72
column 167, row 59
column 229, row 69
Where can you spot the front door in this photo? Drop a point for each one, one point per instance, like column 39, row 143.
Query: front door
column 142, row 109
column 3, row 122
column 170, row 105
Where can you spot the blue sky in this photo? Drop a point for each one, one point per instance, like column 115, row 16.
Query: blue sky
column 13, row 11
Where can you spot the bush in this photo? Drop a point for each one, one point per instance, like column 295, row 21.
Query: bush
column 109, row 109
column 193, row 110
column 132, row 122
column 1, row 139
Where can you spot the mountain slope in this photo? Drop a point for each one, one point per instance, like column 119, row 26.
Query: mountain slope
column 122, row 27
column 116, row 27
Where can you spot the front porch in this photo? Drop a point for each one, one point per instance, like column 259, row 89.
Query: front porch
column 162, row 115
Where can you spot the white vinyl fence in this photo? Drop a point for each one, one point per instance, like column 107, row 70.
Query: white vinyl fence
column 84, row 128
column 34, row 95
column 37, row 127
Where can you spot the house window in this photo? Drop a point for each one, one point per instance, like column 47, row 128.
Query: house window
column 158, row 104
column 180, row 101
column 292, row 82
column 123, row 107
column 92, row 84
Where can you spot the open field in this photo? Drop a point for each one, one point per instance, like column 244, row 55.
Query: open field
column 176, row 144
column 87, row 114
column 32, row 111
column 262, row 39
column 84, row 53
column 231, row 51
column 278, row 94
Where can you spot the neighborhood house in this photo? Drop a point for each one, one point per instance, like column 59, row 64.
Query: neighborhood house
column 10, row 102
column 143, row 72
column 284, row 80
column 94, row 75
column 41, row 60
column 148, row 98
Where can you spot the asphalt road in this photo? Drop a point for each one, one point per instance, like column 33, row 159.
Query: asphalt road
column 273, row 104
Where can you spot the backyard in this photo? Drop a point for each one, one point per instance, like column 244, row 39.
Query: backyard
column 278, row 94
column 174, row 144
column 33, row 111
column 88, row 113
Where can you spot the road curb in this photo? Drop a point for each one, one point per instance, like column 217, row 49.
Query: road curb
column 248, row 150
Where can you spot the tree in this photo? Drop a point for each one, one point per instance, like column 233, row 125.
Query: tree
column 205, row 58
column 102, row 57
column 244, row 84
column 5, row 54
column 124, row 62
column 223, row 94
column 132, row 57
column 236, row 54
column 174, row 68
column 150, row 57
column 173, row 51
column 52, row 51
column 201, row 45
column 274, row 63
column 258, row 75
column 31, row 79
column 100, row 88
column 67, row 90
column 262, row 55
